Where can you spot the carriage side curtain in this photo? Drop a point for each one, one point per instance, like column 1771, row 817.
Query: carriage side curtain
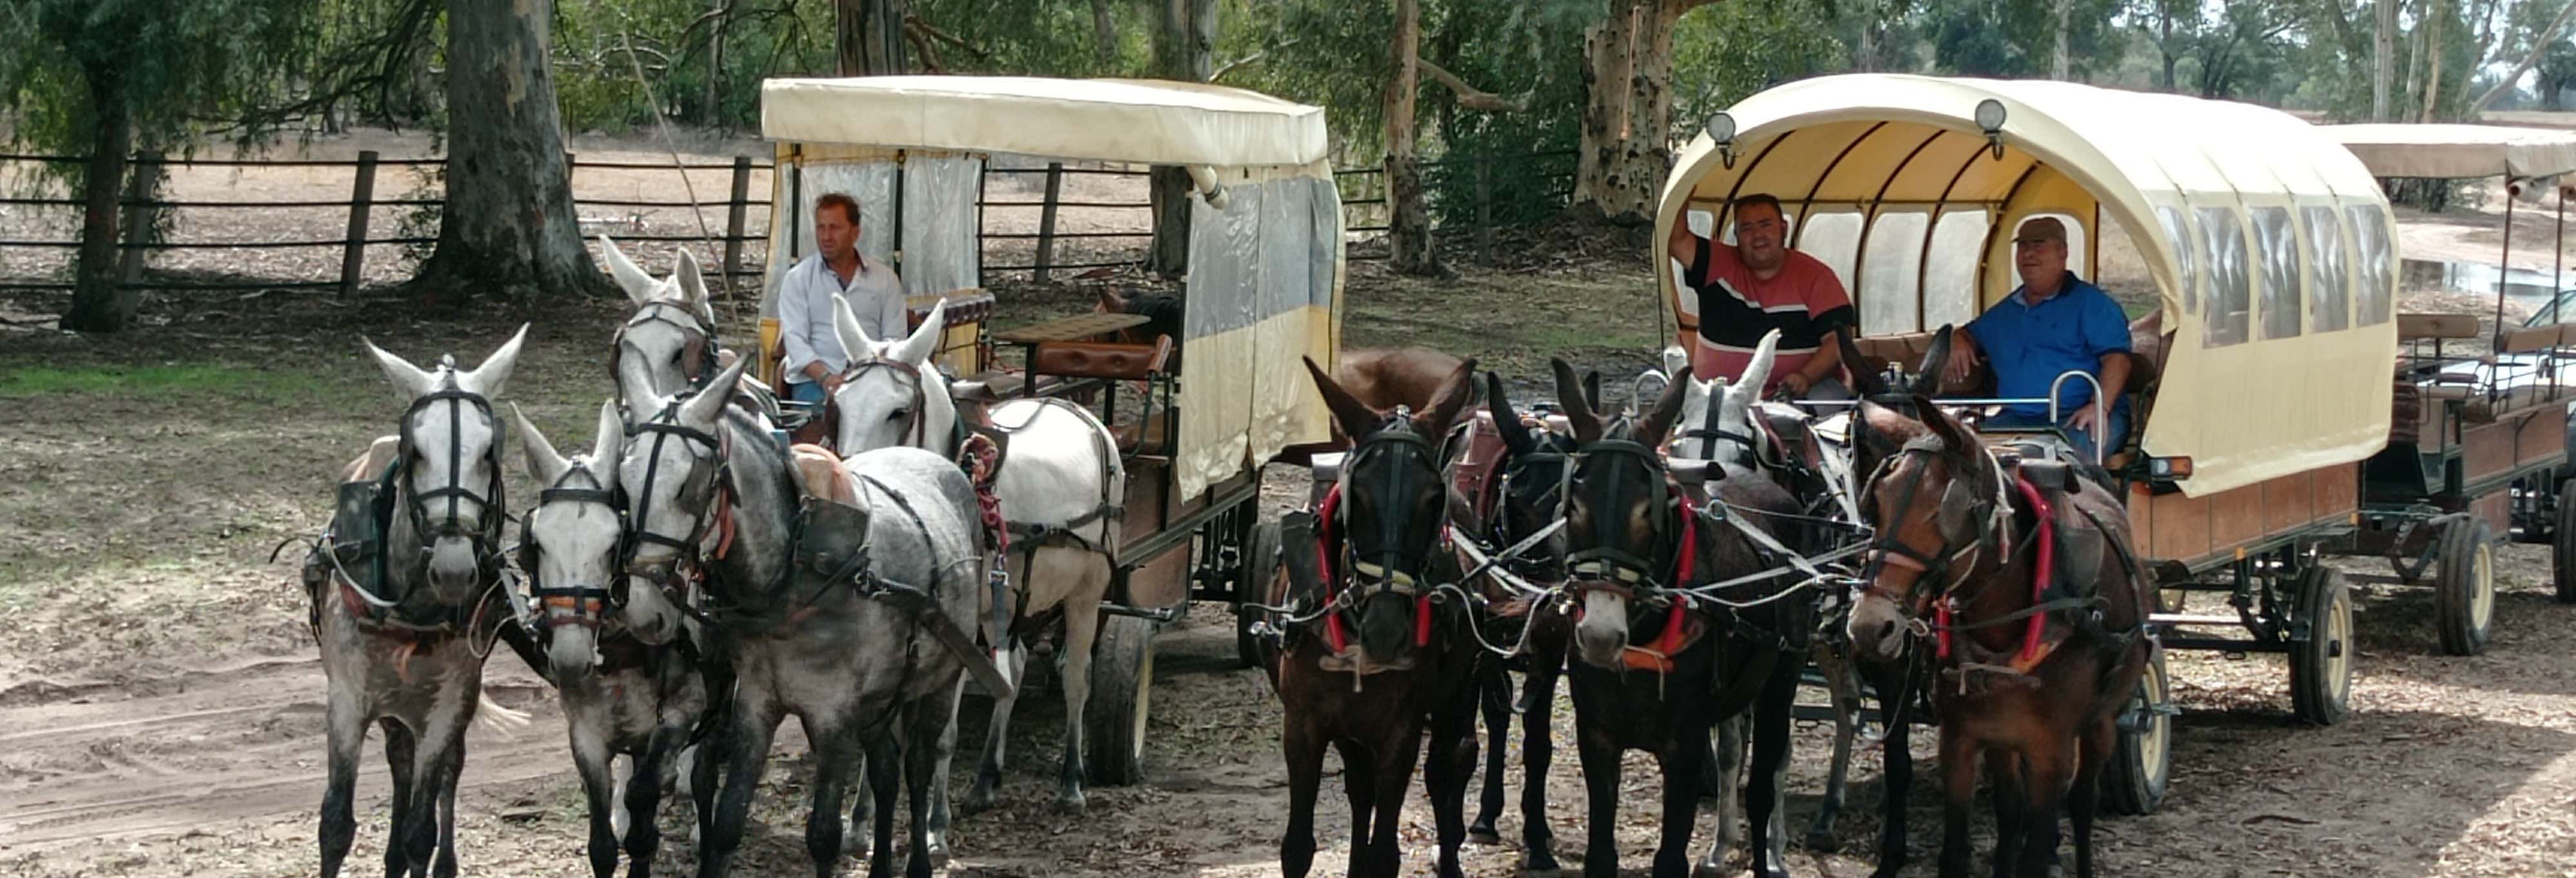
column 1264, row 274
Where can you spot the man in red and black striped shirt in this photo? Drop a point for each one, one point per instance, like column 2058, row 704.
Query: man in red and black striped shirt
column 1760, row 285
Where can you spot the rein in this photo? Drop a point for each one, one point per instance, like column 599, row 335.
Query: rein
column 714, row 482
column 916, row 426
column 697, row 367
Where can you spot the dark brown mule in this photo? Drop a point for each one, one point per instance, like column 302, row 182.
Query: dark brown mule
column 1373, row 657
column 2034, row 663
column 1660, row 660
column 1508, row 481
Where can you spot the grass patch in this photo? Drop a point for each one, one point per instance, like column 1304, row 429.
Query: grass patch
column 28, row 382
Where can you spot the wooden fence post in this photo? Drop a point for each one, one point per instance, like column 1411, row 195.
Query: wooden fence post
column 1485, row 209
column 734, row 220
column 1046, row 220
column 138, row 215
column 362, row 196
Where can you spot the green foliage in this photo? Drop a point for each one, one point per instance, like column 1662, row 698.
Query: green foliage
column 1725, row 52
column 177, row 71
column 2015, row 38
column 2557, row 71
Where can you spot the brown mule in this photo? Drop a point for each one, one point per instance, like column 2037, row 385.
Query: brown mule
column 1374, row 658
column 2034, row 665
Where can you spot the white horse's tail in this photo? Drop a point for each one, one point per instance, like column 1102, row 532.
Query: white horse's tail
column 500, row 720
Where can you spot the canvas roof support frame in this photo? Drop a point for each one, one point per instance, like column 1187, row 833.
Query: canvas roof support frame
column 2257, row 197
column 1268, row 218
column 2455, row 152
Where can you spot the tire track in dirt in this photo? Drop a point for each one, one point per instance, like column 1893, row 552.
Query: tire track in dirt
column 226, row 745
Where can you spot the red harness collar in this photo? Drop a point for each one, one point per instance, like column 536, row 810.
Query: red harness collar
column 2043, row 570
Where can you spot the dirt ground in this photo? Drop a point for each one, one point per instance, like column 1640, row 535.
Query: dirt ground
column 160, row 701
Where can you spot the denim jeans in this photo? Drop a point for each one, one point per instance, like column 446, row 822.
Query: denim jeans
column 805, row 391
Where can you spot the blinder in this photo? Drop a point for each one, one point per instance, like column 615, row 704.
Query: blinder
column 1381, row 559
column 1611, row 556
column 915, row 425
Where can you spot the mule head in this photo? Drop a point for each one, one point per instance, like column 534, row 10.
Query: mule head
column 892, row 395
column 1933, row 507
column 1394, row 502
column 451, row 460
column 1533, row 477
column 669, row 340
column 570, row 543
column 672, row 474
column 1621, row 525
column 1716, row 420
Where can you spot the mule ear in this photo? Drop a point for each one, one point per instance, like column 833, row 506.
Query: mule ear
column 411, row 381
column 917, row 347
column 1956, row 441
column 1579, row 412
column 1757, row 371
column 1676, row 361
column 693, row 283
column 1659, row 422
column 488, row 378
column 854, row 336
column 703, row 408
column 639, row 285
column 543, row 462
column 605, row 444
column 1452, row 397
column 1516, row 435
column 1356, row 418
column 1866, row 382
column 1936, row 360
column 1592, row 388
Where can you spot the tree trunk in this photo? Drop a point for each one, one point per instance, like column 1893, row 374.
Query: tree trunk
column 868, row 37
column 1104, row 34
column 708, row 112
column 2164, row 42
column 2061, row 67
column 2433, row 60
column 508, row 226
column 1408, row 217
column 99, row 302
column 2383, row 73
column 1184, row 43
column 1610, row 49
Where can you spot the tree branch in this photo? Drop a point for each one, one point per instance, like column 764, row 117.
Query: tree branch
column 1471, row 97
column 924, row 29
column 1249, row 60
column 2539, row 43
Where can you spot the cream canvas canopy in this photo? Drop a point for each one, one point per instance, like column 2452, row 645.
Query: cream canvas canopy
column 2457, row 151
column 1265, row 259
column 2270, row 247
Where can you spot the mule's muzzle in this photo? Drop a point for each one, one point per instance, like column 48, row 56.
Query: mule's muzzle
column 1878, row 627
column 1601, row 628
column 455, row 567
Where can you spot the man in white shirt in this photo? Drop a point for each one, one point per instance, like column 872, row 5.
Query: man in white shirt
column 815, row 359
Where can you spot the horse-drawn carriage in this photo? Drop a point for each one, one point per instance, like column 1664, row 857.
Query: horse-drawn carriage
column 1263, row 289
column 2479, row 443
column 2263, row 281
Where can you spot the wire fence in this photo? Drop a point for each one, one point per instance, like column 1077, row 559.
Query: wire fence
column 1076, row 219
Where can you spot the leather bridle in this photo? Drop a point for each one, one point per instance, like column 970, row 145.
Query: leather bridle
column 487, row 538
column 582, row 604
column 708, row 490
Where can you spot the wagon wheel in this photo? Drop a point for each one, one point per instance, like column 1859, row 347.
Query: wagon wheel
column 1258, row 565
column 2562, row 545
column 2321, row 666
column 1122, row 688
column 2464, row 587
column 2142, row 761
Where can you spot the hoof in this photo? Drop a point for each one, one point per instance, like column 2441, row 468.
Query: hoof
column 977, row 800
column 1541, row 863
column 1483, row 833
column 939, row 854
column 1823, row 842
column 1072, row 803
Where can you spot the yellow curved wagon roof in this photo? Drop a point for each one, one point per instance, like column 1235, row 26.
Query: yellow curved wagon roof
column 2185, row 179
column 1128, row 120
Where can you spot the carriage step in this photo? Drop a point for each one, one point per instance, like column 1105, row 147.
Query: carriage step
column 2184, row 619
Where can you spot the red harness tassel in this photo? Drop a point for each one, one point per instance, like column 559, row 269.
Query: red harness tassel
column 1333, row 633
column 2043, row 568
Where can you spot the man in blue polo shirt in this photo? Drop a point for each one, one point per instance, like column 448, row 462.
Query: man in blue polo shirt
column 2055, row 323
